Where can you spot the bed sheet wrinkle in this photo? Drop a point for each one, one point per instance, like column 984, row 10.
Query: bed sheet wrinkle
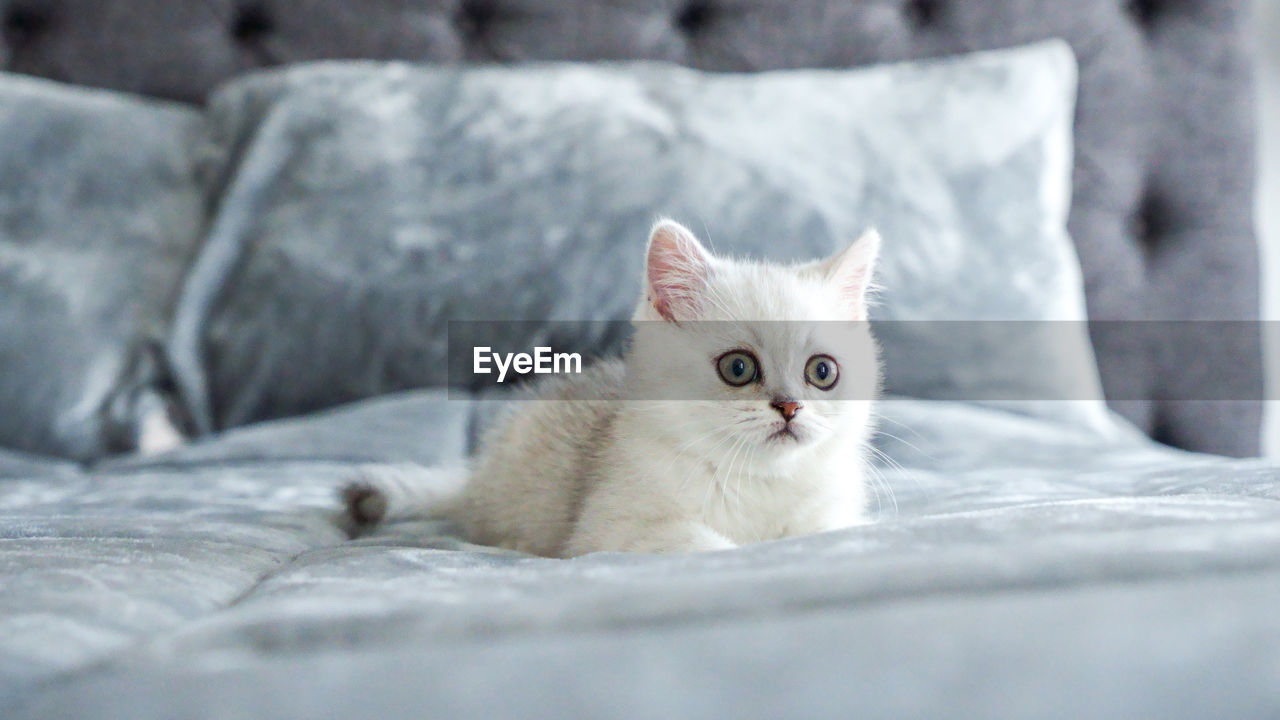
column 226, row 555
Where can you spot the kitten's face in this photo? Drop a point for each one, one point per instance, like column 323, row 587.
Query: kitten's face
column 761, row 363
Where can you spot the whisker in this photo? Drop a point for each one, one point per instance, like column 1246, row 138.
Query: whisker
column 704, row 458
column 724, row 495
column 904, row 442
column 888, row 489
column 900, row 469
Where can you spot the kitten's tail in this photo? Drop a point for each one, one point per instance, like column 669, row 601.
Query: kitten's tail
column 401, row 491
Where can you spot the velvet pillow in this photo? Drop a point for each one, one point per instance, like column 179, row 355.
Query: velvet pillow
column 363, row 206
column 99, row 217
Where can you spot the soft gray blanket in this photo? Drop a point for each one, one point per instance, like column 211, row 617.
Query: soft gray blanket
column 1017, row 567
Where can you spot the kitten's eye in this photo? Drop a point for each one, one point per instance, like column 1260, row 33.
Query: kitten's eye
column 821, row 372
column 738, row 367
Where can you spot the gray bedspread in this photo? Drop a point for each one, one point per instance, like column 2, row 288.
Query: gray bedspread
column 1017, row 567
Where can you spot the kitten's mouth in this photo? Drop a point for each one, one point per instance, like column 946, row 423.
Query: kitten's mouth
column 786, row 434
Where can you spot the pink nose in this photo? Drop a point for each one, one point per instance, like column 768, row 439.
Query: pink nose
column 786, row 408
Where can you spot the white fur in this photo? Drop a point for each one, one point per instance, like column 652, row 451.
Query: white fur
column 158, row 434
column 654, row 452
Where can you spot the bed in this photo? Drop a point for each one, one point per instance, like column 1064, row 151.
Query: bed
column 1021, row 563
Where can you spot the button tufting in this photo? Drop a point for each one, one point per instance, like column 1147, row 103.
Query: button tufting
column 23, row 23
column 695, row 17
column 1142, row 11
column 922, row 13
column 474, row 16
column 252, row 22
column 1149, row 222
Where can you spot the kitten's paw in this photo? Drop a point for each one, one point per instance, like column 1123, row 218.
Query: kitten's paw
column 364, row 502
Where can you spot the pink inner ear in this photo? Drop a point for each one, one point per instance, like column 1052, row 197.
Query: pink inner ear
column 854, row 285
column 677, row 269
column 852, row 270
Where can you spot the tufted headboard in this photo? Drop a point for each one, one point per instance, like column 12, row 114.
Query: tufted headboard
column 1164, row 142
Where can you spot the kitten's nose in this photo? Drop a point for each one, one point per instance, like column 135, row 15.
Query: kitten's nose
column 786, row 408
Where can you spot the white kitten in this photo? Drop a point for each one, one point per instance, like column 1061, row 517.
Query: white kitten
column 741, row 412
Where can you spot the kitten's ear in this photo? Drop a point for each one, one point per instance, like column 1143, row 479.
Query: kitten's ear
column 676, row 270
column 852, row 269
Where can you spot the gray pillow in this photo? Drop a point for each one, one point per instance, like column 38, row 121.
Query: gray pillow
column 99, row 216
column 364, row 206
